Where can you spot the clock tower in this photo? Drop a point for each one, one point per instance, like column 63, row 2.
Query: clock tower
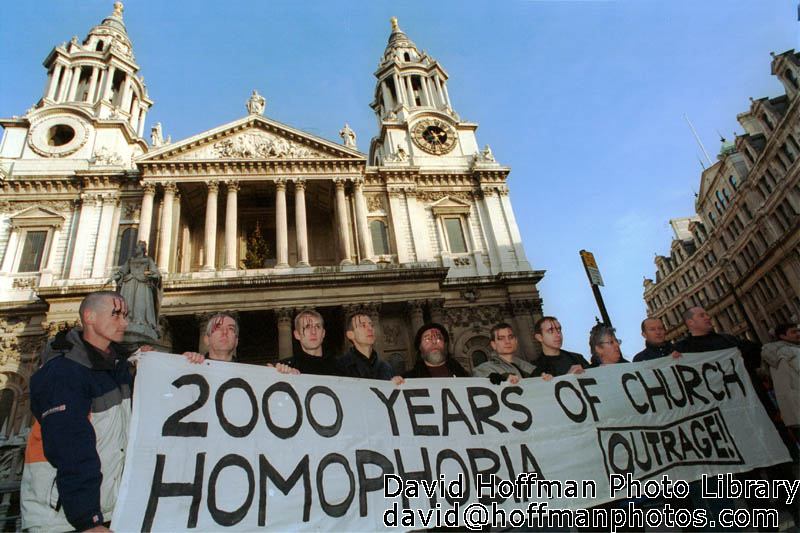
column 417, row 124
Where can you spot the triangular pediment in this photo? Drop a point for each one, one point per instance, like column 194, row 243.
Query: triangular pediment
column 37, row 216
column 450, row 206
column 253, row 137
column 449, row 201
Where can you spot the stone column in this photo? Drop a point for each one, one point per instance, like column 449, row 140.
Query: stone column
column 439, row 95
column 416, row 318
column 426, row 95
column 112, row 241
column 364, row 237
column 284, row 333
column 341, row 215
column 419, row 229
column 63, row 86
column 51, row 89
column 387, row 97
column 142, row 115
column 490, row 235
column 211, row 227
column 104, row 247
column 436, row 308
column 88, row 202
column 91, row 94
column 11, row 250
column 513, row 229
column 176, row 229
column 446, row 95
column 523, row 317
column 281, row 224
column 300, row 222
column 125, row 99
column 165, row 236
column 398, row 217
column 146, row 215
column 73, row 86
column 109, row 83
column 412, row 101
column 399, row 90
column 230, row 225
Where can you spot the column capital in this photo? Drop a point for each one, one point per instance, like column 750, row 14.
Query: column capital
column 358, row 182
column 233, row 186
column 213, row 185
column 300, row 184
column 280, row 184
column 340, row 183
column 170, row 186
column 149, row 187
column 284, row 315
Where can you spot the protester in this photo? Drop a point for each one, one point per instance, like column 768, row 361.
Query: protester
column 361, row 360
column 81, row 398
column 504, row 364
column 783, row 359
column 433, row 355
column 604, row 346
column 309, row 330
column 555, row 361
column 655, row 344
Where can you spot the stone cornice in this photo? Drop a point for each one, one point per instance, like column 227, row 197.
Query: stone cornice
column 250, row 169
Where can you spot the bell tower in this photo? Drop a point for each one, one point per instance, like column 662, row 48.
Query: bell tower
column 92, row 111
column 416, row 121
column 99, row 75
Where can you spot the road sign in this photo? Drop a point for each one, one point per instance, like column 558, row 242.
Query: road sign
column 591, row 268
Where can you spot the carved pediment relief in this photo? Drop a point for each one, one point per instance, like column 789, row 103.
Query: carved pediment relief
column 253, row 144
column 252, row 138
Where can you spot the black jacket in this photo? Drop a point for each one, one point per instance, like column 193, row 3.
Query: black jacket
column 546, row 364
column 420, row 369
column 653, row 351
column 316, row 365
column 353, row 364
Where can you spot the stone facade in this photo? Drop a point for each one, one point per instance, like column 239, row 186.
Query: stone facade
column 740, row 256
column 254, row 217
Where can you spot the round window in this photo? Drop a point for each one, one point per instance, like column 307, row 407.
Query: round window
column 60, row 134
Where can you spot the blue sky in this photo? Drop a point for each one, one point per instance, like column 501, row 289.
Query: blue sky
column 584, row 100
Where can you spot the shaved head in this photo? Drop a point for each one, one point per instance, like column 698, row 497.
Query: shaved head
column 95, row 301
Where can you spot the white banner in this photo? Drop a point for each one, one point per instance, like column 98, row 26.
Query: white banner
column 232, row 446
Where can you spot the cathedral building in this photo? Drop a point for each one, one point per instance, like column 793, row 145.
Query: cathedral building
column 739, row 256
column 254, row 217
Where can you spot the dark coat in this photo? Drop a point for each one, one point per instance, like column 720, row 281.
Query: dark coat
column 420, row 369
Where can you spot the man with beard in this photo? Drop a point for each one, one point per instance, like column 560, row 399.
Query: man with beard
column 503, row 364
column 309, row 330
column 433, row 360
column 655, row 343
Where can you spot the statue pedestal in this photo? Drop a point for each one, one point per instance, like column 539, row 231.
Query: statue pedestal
column 137, row 335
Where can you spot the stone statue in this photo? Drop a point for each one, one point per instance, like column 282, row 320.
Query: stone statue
column 256, row 103
column 400, row 155
column 486, row 154
column 348, row 136
column 157, row 136
column 139, row 282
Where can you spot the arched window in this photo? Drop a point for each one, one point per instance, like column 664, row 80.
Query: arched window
column 716, row 204
column 712, row 218
column 380, row 241
column 721, row 200
column 725, row 194
column 733, row 182
column 99, row 47
column 126, row 244
column 768, row 121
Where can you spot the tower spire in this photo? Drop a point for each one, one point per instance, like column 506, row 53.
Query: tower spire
column 99, row 75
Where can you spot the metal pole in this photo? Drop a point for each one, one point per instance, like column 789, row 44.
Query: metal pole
column 601, row 305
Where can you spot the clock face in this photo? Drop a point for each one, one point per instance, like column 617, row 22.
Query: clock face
column 434, row 136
